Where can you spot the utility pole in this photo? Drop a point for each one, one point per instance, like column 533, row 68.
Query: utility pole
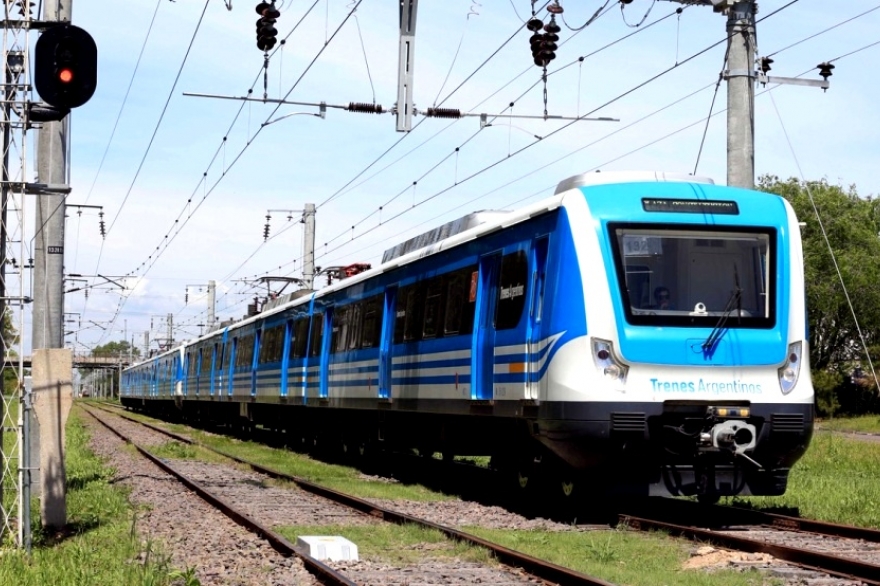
column 52, row 157
column 309, row 246
column 212, row 303
column 740, row 76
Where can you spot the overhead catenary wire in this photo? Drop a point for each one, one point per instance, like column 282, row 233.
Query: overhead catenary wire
column 172, row 236
column 161, row 117
column 827, row 241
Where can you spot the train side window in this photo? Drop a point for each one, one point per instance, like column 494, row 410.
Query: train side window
column 300, row 338
column 433, row 308
column 372, row 322
column 460, row 303
column 339, row 328
column 272, row 345
column 244, row 354
column 400, row 314
column 227, row 351
column 415, row 305
column 511, row 290
column 354, row 325
column 317, row 334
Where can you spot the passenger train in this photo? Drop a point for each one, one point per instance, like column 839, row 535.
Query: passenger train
column 641, row 333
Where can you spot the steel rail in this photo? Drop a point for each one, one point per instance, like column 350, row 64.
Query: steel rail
column 321, row 571
column 772, row 520
column 509, row 557
column 812, row 560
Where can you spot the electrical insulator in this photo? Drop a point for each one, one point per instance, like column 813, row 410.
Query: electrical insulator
column 548, row 48
column 101, row 225
column 825, row 70
column 365, row 108
column 766, row 62
column 535, row 41
column 266, row 31
column 535, row 24
column 266, row 229
column 186, row 297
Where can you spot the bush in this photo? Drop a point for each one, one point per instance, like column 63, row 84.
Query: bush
column 826, row 384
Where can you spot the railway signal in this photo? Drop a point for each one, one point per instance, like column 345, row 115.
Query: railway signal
column 66, row 66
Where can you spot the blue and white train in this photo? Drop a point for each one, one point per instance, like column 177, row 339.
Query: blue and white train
column 643, row 331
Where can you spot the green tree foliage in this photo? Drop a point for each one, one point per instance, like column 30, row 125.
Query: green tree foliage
column 851, row 224
column 9, row 336
column 120, row 349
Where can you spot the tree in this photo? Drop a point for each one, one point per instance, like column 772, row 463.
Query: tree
column 120, row 349
column 851, row 225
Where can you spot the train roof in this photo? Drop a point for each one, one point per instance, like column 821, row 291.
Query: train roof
column 608, row 177
column 443, row 232
column 454, row 233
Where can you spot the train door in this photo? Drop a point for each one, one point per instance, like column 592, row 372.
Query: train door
column 536, row 310
column 324, row 358
column 215, row 358
column 483, row 351
column 386, row 342
column 229, row 364
column 258, row 340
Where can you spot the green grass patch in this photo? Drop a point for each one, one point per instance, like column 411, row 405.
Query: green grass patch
column 863, row 424
column 342, row 478
column 619, row 556
column 837, row 480
column 396, row 544
column 99, row 545
column 175, row 450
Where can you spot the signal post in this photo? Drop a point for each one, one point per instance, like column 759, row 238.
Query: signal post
column 65, row 76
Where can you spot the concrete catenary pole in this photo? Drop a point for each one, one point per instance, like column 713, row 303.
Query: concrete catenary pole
column 741, row 95
column 212, row 303
column 309, row 246
column 52, row 363
column 52, row 157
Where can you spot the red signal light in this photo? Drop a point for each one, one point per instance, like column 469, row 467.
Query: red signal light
column 65, row 75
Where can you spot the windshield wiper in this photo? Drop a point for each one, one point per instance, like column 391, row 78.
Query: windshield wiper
column 733, row 303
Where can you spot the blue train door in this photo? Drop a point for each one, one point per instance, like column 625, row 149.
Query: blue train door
column 258, row 339
column 385, row 343
column 536, row 310
column 324, row 377
column 483, row 352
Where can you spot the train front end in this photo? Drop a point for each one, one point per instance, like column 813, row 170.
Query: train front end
column 699, row 379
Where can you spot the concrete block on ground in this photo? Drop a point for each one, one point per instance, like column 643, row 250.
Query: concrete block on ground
column 325, row 547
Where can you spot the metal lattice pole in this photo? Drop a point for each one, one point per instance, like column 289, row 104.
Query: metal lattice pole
column 14, row 399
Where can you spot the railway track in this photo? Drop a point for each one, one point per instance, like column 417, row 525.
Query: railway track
column 537, row 571
column 848, row 553
column 820, row 549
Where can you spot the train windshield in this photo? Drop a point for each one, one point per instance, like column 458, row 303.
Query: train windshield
column 675, row 275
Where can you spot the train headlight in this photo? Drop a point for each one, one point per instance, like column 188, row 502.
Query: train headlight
column 603, row 356
column 789, row 372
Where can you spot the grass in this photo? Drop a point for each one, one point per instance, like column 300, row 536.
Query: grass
column 862, row 424
column 395, row 544
column 620, row 556
column 99, row 545
column 837, row 480
column 342, row 478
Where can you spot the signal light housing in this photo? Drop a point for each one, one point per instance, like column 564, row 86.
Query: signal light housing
column 65, row 66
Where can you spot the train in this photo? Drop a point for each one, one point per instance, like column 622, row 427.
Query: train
column 635, row 334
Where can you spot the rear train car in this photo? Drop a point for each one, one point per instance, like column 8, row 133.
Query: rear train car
column 642, row 333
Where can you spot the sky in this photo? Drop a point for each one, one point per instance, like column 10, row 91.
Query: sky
column 185, row 183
